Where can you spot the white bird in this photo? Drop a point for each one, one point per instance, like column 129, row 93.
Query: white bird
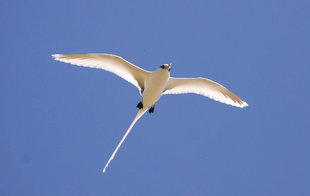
column 151, row 84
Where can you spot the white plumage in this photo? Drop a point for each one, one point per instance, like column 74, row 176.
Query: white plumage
column 151, row 84
column 112, row 63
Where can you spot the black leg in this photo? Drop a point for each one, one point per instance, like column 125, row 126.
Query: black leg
column 151, row 110
column 140, row 105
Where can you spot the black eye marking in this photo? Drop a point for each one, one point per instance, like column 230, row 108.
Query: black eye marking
column 163, row 66
column 169, row 69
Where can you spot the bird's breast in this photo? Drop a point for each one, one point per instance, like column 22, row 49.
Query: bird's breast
column 154, row 86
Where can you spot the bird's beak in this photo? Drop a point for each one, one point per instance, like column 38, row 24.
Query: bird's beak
column 170, row 65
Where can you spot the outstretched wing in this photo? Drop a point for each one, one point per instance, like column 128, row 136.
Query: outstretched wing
column 112, row 63
column 204, row 87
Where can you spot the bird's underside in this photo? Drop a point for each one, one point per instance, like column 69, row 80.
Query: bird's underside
column 138, row 77
column 151, row 85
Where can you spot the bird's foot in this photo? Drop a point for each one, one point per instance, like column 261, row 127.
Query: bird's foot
column 151, row 110
column 140, row 105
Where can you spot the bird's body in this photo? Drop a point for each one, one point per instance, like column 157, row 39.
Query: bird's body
column 151, row 84
column 154, row 86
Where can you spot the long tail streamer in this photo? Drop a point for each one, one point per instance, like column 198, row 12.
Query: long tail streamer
column 138, row 116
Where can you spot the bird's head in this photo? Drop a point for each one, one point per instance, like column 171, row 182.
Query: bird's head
column 166, row 66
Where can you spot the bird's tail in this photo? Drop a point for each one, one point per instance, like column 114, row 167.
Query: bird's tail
column 139, row 114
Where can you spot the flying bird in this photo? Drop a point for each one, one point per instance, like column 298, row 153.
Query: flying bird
column 151, row 85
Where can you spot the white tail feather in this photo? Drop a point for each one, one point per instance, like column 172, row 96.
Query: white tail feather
column 139, row 114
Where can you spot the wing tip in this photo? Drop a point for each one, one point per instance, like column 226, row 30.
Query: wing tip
column 57, row 56
column 243, row 104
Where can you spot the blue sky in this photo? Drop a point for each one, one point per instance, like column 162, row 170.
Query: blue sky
column 60, row 123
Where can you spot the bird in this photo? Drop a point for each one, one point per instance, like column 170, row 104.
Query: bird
column 151, row 85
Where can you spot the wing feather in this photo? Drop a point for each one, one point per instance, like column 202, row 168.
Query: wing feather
column 112, row 63
column 203, row 87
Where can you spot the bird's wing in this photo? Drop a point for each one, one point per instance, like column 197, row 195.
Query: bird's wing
column 112, row 63
column 204, row 87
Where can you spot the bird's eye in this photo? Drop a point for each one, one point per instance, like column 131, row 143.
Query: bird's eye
column 163, row 66
column 169, row 69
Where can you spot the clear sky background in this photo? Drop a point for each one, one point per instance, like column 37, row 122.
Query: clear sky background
column 60, row 123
